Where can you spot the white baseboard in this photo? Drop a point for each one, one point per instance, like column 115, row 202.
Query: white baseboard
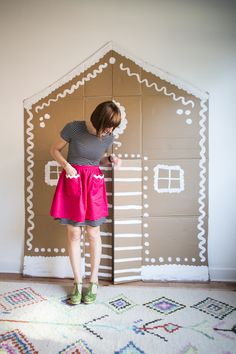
column 222, row 274
column 10, row 266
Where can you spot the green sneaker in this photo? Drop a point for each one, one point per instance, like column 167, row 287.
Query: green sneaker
column 91, row 293
column 75, row 298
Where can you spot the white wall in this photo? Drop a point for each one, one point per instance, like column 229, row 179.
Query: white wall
column 41, row 40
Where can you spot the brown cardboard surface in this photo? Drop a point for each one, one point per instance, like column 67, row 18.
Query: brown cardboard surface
column 175, row 201
column 164, row 126
column 166, row 237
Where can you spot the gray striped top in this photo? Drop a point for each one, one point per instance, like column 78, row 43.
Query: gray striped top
column 84, row 148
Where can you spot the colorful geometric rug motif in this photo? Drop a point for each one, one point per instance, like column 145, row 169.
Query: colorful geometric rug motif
column 214, row 308
column 79, row 347
column 120, row 304
column 52, row 327
column 153, row 327
column 130, row 348
column 14, row 342
column 164, row 305
column 19, row 298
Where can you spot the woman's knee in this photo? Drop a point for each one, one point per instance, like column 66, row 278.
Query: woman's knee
column 74, row 233
column 93, row 233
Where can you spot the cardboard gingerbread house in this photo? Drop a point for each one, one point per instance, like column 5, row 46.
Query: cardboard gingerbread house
column 157, row 224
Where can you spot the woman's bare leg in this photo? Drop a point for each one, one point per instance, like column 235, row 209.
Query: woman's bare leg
column 73, row 242
column 95, row 245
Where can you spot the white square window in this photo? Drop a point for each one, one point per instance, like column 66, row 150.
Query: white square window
column 168, row 179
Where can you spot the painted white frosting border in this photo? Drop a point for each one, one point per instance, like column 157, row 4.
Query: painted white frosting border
column 50, row 266
column 94, row 58
column 175, row 272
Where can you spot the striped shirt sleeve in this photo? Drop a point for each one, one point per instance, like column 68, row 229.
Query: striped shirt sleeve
column 66, row 132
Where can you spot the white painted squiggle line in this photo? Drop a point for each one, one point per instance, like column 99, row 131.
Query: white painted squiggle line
column 98, row 176
column 163, row 88
column 73, row 87
column 29, row 179
column 75, row 176
column 202, row 239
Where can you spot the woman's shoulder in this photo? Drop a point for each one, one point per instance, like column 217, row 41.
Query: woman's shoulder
column 76, row 124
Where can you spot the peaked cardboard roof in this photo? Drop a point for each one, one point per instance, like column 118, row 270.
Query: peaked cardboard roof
column 95, row 57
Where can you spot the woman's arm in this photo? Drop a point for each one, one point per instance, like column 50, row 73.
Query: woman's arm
column 55, row 151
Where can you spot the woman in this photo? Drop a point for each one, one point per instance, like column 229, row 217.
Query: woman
column 80, row 197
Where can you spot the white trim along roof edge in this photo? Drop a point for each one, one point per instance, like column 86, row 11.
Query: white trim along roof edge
column 95, row 57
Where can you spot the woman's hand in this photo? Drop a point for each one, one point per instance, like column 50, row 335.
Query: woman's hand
column 70, row 170
column 116, row 161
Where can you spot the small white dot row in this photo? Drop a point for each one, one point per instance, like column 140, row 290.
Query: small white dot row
column 131, row 156
column 169, row 259
column 56, row 250
column 145, row 206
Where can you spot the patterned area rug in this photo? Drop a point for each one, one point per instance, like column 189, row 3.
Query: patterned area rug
column 35, row 318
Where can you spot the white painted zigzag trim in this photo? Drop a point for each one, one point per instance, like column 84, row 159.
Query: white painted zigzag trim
column 30, row 179
column 94, row 58
column 202, row 197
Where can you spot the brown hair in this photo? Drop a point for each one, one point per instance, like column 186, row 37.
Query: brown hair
column 105, row 115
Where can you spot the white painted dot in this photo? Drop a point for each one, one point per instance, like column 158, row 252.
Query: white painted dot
column 42, row 125
column 145, row 178
column 146, row 234
column 145, row 196
column 146, row 215
column 146, row 259
column 146, row 244
column 146, row 168
column 146, row 252
column 146, row 206
column 169, row 259
column 119, row 155
column 189, row 121
column 132, row 155
column 47, row 116
column 145, row 225
column 126, row 155
column 153, row 260
column 42, row 249
column 112, row 60
column 145, row 187
column 161, row 259
column 186, row 259
column 116, row 148
column 49, row 250
column 138, row 155
column 41, row 119
column 188, row 112
column 56, row 250
column 36, row 250
column 179, row 111
column 63, row 250
column 145, row 158
column 177, row 259
column 193, row 260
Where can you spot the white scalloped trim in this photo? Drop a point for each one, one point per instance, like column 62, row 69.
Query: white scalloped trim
column 29, row 179
column 158, row 89
column 202, row 194
column 94, row 58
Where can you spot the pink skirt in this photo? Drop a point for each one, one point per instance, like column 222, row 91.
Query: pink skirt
column 82, row 197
